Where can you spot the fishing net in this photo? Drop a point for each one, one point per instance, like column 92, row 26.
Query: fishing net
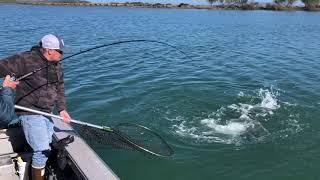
column 127, row 136
column 102, row 137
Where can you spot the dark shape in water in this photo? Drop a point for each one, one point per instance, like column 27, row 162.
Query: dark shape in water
column 255, row 132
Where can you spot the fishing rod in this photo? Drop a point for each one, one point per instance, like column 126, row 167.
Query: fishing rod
column 98, row 47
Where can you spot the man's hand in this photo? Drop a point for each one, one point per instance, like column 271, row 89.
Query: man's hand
column 66, row 118
column 8, row 82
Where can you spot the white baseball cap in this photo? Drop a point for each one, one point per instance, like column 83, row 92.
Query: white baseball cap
column 51, row 41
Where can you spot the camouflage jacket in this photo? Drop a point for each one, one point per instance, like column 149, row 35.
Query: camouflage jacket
column 43, row 90
column 6, row 106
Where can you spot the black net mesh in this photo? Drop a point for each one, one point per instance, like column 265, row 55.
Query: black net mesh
column 102, row 137
column 127, row 136
column 144, row 139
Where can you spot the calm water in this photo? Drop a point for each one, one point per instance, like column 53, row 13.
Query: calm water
column 245, row 106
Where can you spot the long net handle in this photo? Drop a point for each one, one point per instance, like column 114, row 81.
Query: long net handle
column 103, row 128
column 56, row 116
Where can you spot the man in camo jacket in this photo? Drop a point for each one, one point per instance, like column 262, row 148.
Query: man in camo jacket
column 44, row 91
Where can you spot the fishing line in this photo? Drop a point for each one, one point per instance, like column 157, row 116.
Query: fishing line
column 102, row 46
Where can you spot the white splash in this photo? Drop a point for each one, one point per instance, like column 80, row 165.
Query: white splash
column 241, row 94
column 231, row 128
column 269, row 100
column 183, row 130
column 218, row 128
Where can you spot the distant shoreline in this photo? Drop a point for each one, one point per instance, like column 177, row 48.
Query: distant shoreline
column 249, row 6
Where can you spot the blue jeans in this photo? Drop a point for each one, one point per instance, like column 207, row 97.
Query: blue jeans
column 38, row 131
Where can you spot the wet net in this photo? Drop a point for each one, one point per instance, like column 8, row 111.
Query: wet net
column 127, row 136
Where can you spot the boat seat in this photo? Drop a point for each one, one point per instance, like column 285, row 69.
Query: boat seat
column 12, row 141
column 7, row 170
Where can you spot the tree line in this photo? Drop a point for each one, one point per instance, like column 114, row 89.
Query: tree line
column 276, row 5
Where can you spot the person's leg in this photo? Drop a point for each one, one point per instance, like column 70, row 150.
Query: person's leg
column 35, row 128
column 50, row 130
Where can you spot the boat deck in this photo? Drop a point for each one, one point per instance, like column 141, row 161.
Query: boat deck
column 89, row 163
column 84, row 162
